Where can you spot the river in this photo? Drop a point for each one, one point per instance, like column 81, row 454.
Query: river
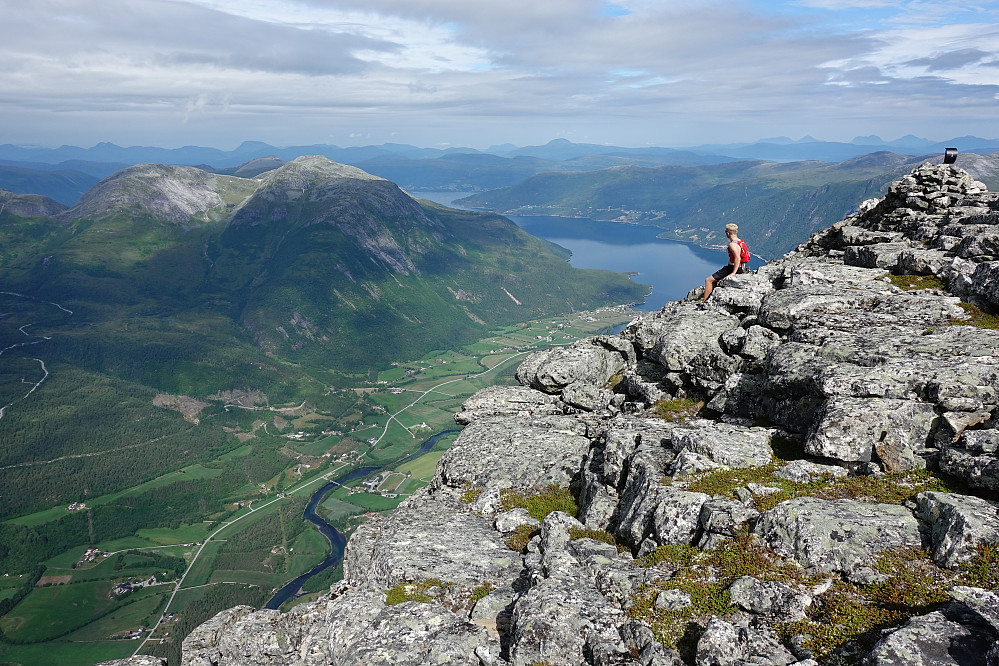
column 671, row 267
column 337, row 540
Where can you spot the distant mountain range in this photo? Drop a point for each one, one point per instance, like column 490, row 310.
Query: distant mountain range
column 465, row 169
column 776, row 204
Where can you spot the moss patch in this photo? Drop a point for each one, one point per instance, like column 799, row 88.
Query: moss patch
column 892, row 488
column 539, row 505
column 597, row 535
column 915, row 282
column 423, row 591
column 977, row 318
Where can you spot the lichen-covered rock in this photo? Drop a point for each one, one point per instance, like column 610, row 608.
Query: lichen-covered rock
column 953, row 636
column 586, row 362
column 725, row 644
column 511, row 452
column 507, row 401
column 836, row 535
column 726, row 444
column 857, row 429
column 433, row 535
column 958, row 524
column 768, row 597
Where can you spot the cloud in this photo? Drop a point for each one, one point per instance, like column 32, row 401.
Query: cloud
column 453, row 71
column 952, row 60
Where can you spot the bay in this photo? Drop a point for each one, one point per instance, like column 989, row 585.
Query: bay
column 671, row 268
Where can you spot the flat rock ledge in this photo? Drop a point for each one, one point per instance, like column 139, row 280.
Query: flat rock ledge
column 816, row 367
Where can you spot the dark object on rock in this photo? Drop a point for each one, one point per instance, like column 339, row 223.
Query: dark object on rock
column 950, row 155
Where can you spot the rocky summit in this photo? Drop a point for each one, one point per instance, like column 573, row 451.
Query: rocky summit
column 804, row 471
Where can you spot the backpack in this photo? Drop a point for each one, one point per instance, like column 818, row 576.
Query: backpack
column 745, row 256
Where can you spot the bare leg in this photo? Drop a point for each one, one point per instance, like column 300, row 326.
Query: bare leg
column 709, row 286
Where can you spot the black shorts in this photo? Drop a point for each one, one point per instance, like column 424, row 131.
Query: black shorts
column 725, row 271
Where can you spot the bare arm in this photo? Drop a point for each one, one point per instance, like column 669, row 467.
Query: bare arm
column 735, row 255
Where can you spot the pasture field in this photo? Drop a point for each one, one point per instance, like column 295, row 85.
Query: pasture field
column 73, row 622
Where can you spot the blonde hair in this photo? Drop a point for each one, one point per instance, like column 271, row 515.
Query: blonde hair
column 732, row 228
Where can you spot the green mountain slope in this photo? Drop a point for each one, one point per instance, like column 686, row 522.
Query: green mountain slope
column 170, row 281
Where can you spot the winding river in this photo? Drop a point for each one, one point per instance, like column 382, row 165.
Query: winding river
column 337, row 540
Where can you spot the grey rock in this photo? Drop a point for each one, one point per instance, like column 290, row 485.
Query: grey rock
column 725, row 644
column 683, row 339
column 839, row 535
column 508, row 521
column 983, row 602
column 587, row 397
column 725, row 444
column 585, row 362
column 507, row 401
column 774, row 599
column 431, row 535
column 952, row 636
column 672, row 600
column 978, row 470
column 980, row 441
column 855, row 429
column 511, row 452
column 677, row 518
column 725, row 517
column 805, row 471
column 958, row 524
column 136, row 660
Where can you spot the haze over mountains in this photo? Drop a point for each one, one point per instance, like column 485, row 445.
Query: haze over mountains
column 65, row 173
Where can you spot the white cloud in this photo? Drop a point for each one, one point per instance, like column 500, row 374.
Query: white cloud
column 453, row 71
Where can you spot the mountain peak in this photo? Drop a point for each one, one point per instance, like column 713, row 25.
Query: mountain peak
column 174, row 193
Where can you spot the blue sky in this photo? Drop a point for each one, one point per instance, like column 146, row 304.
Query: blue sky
column 480, row 72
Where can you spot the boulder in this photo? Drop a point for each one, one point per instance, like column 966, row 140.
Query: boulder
column 512, row 452
column 586, row 362
column 861, row 430
column 507, row 401
column 954, row 636
column 958, row 524
column 774, row 599
column 836, row 535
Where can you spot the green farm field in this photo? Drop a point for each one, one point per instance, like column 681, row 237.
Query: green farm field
column 87, row 617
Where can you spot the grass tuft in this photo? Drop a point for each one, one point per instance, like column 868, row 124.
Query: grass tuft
column 677, row 409
column 597, row 535
column 915, row 282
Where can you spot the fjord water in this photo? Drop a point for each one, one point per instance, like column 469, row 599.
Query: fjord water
column 671, row 267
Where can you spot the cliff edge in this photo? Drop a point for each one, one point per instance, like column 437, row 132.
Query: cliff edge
column 805, row 471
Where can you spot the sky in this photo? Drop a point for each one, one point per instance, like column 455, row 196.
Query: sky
column 477, row 73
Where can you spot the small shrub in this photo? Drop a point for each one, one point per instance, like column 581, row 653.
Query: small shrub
column 677, row 409
column 472, row 494
column 481, row 591
column 850, row 613
column 983, row 569
column 520, row 537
